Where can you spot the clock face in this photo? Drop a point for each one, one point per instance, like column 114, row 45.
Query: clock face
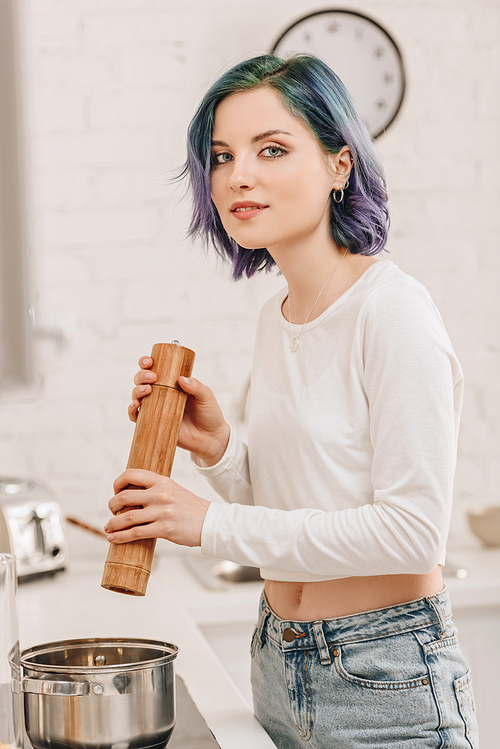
column 362, row 54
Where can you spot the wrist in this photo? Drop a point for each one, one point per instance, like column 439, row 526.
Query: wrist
column 217, row 448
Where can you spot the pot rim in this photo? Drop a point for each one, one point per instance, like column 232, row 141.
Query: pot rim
column 59, row 645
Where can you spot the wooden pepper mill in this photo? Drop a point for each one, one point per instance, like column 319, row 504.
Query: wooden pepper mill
column 128, row 566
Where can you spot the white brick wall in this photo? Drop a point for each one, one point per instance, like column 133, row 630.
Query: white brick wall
column 109, row 87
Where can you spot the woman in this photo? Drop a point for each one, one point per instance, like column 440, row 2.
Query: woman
column 343, row 495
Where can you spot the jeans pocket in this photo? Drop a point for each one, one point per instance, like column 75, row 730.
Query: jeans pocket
column 467, row 707
column 386, row 663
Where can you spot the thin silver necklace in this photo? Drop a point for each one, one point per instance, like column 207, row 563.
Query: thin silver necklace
column 295, row 339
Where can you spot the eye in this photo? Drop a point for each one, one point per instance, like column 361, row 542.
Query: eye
column 273, row 152
column 221, row 158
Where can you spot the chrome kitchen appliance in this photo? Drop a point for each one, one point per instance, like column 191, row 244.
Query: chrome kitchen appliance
column 98, row 693
column 31, row 527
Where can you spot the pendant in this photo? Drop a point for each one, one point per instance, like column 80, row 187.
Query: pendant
column 294, row 343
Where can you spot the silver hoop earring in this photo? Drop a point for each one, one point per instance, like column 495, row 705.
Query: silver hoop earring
column 341, row 191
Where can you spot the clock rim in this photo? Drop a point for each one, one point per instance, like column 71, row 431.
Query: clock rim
column 399, row 55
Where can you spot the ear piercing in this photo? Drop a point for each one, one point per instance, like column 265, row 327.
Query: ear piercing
column 341, row 191
column 344, row 186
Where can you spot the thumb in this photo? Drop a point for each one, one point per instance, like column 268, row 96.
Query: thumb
column 194, row 387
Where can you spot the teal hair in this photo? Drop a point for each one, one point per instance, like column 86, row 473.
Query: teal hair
column 316, row 95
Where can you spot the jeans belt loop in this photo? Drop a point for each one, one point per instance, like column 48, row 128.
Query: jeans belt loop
column 324, row 652
column 261, row 625
column 440, row 614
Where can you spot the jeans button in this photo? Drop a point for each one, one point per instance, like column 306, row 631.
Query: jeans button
column 288, row 635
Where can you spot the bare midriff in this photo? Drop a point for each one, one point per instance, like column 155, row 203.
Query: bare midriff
column 328, row 599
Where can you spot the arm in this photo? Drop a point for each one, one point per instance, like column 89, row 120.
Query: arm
column 230, row 477
column 216, row 450
column 162, row 508
column 413, row 387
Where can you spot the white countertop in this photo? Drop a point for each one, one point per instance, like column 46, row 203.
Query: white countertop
column 73, row 605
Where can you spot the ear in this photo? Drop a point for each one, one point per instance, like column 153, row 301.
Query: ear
column 341, row 164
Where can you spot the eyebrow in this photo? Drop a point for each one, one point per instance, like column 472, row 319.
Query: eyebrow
column 256, row 138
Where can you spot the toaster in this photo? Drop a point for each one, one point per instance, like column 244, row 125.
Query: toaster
column 32, row 527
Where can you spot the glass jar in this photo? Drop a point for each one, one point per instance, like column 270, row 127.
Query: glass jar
column 10, row 701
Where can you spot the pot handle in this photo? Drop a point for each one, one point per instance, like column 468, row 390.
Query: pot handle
column 72, row 688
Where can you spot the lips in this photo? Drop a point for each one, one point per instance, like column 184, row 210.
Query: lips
column 247, row 209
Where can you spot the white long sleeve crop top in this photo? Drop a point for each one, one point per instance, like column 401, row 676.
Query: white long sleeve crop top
column 352, row 440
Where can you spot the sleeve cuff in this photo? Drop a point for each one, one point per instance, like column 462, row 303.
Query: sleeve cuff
column 235, row 455
column 208, row 537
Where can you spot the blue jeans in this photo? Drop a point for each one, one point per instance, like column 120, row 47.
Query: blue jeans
column 392, row 677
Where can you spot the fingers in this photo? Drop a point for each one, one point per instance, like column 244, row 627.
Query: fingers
column 143, row 381
column 144, row 377
column 138, row 394
column 135, row 477
column 140, row 391
column 133, row 410
column 138, row 508
column 131, row 526
column 197, row 389
column 125, row 520
column 163, row 509
column 133, row 534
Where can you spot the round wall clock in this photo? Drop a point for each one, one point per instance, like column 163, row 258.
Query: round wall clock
column 361, row 52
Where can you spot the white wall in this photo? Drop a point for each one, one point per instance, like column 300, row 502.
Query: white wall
column 109, row 87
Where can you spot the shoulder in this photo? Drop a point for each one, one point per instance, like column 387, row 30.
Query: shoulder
column 272, row 306
column 269, row 323
column 399, row 320
column 394, row 297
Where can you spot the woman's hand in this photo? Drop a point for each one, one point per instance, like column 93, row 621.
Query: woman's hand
column 163, row 509
column 204, row 431
column 143, row 381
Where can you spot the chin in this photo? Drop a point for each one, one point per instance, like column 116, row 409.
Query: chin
column 251, row 249
column 250, row 246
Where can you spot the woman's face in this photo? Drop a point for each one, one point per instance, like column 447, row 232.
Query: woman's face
column 271, row 181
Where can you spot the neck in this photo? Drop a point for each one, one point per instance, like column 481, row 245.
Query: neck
column 306, row 270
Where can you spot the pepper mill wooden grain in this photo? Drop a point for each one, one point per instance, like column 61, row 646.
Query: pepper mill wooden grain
column 128, row 566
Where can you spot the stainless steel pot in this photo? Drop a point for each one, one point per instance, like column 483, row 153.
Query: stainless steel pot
column 99, row 694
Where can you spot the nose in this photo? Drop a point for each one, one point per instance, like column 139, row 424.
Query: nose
column 241, row 175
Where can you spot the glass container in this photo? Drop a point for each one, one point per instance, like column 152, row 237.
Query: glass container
column 10, row 701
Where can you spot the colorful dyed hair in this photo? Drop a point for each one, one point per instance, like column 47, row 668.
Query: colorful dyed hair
column 313, row 93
